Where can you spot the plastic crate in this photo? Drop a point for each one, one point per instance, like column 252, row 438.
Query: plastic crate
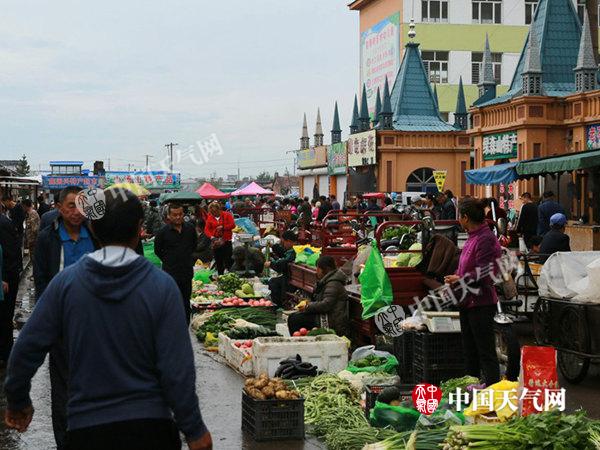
column 273, row 420
column 438, row 349
column 403, row 351
column 373, row 390
column 437, row 373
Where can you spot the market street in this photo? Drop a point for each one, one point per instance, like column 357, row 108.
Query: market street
column 219, row 388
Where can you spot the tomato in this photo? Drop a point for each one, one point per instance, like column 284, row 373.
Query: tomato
column 237, row 344
column 296, row 334
column 248, row 343
column 303, row 331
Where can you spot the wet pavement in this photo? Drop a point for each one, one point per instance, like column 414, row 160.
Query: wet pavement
column 219, row 388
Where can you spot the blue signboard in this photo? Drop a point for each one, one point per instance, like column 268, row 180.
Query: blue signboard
column 61, row 181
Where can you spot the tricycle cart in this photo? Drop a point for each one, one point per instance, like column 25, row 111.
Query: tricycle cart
column 572, row 328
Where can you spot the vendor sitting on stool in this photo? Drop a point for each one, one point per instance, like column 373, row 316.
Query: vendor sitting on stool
column 555, row 240
column 329, row 308
column 279, row 285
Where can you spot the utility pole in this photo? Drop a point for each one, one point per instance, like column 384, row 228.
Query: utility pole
column 147, row 165
column 170, row 147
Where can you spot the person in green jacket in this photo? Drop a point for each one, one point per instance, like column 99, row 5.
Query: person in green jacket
column 279, row 285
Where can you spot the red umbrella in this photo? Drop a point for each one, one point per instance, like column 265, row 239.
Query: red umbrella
column 208, row 191
column 379, row 195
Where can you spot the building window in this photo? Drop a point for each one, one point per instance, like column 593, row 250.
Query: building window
column 580, row 9
column 487, row 11
column 434, row 10
column 477, row 63
column 421, row 180
column 436, row 64
column 530, row 6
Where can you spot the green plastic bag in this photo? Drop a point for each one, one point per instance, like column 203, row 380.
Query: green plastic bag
column 400, row 418
column 203, row 275
column 301, row 258
column 388, row 367
column 312, row 259
column 376, row 288
column 150, row 255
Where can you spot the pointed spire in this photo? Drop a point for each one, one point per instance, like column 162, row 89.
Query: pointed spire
column 386, row 114
column 435, row 96
column 487, row 67
column 318, row 130
column 532, row 66
column 460, row 114
column 304, row 140
column 487, row 82
column 354, row 123
column 336, row 131
column 377, row 108
column 586, row 69
column 364, row 123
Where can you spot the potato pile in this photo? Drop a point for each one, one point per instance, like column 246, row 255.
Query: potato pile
column 265, row 388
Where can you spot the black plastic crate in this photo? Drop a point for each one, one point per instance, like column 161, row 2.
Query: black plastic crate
column 273, row 420
column 437, row 349
column 373, row 391
column 436, row 373
column 403, row 351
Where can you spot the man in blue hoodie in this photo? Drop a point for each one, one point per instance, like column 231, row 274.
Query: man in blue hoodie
column 131, row 366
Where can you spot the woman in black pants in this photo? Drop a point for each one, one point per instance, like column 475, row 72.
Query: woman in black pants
column 218, row 228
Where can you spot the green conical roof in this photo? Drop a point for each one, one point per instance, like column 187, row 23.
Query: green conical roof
column 387, row 101
column 377, row 107
column 354, row 122
column 336, row 120
column 461, row 104
column 558, row 32
column 364, row 107
column 412, row 99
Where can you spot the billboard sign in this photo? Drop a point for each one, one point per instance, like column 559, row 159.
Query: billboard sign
column 379, row 56
column 336, row 159
column 312, row 157
column 500, row 146
column 592, row 137
column 149, row 180
column 362, row 149
column 62, row 181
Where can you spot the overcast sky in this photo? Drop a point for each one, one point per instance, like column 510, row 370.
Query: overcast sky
column 118, row 80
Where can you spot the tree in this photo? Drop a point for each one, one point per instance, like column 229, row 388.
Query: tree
column 264, row 176
column 23, row 167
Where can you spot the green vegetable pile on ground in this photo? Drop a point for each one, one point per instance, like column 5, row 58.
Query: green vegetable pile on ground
column 331, row 404
column 369, row 361
column 356, row 439
column 320, row 331
column 544, row 431
column 230, row 282
column 450, row 386
column 411, row 440
column 398, row 232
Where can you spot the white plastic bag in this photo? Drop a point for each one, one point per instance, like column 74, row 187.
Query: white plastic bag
column 368, row 350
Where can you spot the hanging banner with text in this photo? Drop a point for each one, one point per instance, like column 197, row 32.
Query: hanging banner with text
column 362, row 149
column 379, row 56
column 440, row 179
column 150, row 180
column 336, row 159
column 500, row 146
column 312, row 157
column 592, row 136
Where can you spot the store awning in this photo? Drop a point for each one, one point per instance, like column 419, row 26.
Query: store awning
column 499, row 174
column 559, row 164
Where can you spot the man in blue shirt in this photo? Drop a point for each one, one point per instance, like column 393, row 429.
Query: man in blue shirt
column 60, row 245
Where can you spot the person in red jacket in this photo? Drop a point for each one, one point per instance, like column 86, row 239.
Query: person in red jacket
column 218, row 228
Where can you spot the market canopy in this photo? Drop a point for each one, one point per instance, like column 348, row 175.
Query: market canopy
column 251, row 190
column 559, row 164
column 210, row 192
column 180, row 197
column 379, row 195
column 499, row 174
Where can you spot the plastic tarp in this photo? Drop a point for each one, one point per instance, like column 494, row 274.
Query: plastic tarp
column 571, row 275
column 208, row 191
column 251, row 189
column 499, row 174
